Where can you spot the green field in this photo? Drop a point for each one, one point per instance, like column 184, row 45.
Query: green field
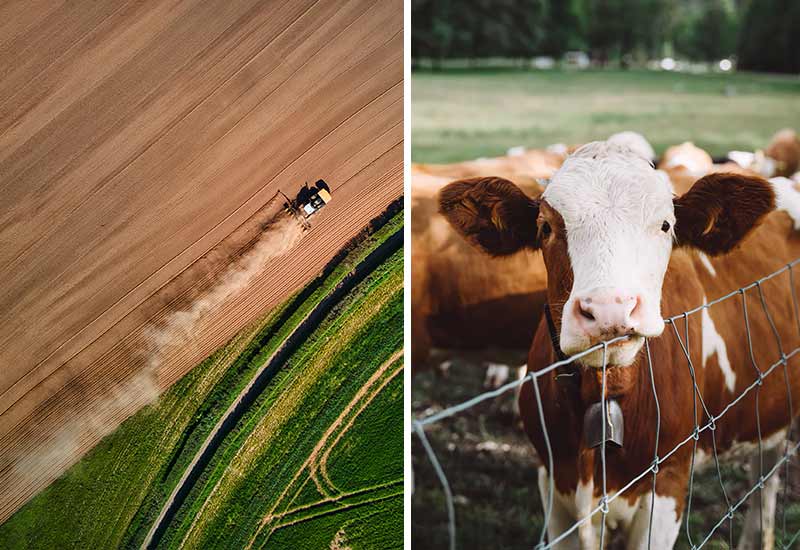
column 112, row 496
column 275, row 470
column 466, row 114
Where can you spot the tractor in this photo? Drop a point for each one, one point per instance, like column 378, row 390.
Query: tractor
column 309, row 201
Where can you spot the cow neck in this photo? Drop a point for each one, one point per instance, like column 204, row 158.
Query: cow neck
column 587, row 386
column 619, row 380
column 569, row 373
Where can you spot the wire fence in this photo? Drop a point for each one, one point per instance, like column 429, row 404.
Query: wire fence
column 699, row 409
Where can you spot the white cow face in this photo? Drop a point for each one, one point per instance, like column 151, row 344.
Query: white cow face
column 617, row 217
column 606, row 225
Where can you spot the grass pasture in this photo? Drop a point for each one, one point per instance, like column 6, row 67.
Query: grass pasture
column 466, row 114
column 111, row 497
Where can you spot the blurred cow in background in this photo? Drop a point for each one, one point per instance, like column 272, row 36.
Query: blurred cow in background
column 533, row 163
column 457, row 292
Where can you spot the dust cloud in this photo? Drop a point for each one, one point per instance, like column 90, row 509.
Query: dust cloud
column 179, row 327
column 100, row 416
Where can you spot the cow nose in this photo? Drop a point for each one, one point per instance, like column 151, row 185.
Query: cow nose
column 608, row 313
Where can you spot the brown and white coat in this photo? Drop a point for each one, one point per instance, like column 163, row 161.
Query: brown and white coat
column 622, row 253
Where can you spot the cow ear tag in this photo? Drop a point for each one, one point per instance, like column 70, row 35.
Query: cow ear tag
column 593, row 424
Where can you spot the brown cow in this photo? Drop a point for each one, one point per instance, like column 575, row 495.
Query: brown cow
column 619, row 251
column 781, row 157
column 458, row 293
column 533, row 163
column 784, row 149
column 684, row 164
column 688, row 156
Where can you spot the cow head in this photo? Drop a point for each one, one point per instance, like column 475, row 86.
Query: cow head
column 606, row 224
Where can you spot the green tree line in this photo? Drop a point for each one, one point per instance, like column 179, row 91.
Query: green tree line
column 758, row 33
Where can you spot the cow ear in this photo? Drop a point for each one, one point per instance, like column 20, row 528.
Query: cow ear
column 720, row 210
column 492, row 214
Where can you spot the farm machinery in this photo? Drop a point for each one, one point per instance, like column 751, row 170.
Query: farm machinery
column 309, row 201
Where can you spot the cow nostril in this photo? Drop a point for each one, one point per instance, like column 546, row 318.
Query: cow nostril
column 586, row 314
column 636, row 308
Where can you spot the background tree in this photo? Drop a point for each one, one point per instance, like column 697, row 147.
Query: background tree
column 768, row 37
column 625, row 31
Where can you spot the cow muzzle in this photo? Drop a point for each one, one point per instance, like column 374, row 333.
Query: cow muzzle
column 603, row 314
column 607, row 314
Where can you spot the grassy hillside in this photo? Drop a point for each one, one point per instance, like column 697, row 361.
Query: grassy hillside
column 461, row 114
column 112, row 496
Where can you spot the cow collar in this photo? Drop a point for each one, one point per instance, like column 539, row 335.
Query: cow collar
column 570, row 372
column 593, row 420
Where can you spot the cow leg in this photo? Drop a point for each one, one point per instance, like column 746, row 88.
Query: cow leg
column 444, row 368
column 666, row 523
column 752, row 535
column 560, row 518
column 496, row 375
column 520, row 374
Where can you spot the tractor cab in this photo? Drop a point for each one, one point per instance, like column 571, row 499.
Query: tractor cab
column 319, row 197
column 308, row 201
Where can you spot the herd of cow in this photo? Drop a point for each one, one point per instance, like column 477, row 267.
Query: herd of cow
column 543, row 254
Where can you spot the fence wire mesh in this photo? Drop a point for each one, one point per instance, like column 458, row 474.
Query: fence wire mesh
column 700, row 411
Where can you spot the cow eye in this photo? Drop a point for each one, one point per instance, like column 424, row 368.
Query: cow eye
column 546, row 230
column 665, row 226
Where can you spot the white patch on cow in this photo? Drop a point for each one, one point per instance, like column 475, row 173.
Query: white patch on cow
column 713, row 343
column 666, row 522
column 663, row 175
column 701, row 458
column 630, row 517
column 562, row 515
column 665, row 527
column 787, row 198
column 756, row 162
column 613, row 204
column 764, row 165
column 584, row 502
column 688, row 161
column 544, row 481
column 707, row 263
column 745, row 159
column 558, row 149
column 634, row 141
column 621, row 513
column 496, row 375
column 517, row 151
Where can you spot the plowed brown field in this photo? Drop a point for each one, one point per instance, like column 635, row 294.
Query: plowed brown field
column 141, row 144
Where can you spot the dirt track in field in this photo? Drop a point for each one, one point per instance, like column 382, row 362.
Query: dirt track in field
column 141, row 148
